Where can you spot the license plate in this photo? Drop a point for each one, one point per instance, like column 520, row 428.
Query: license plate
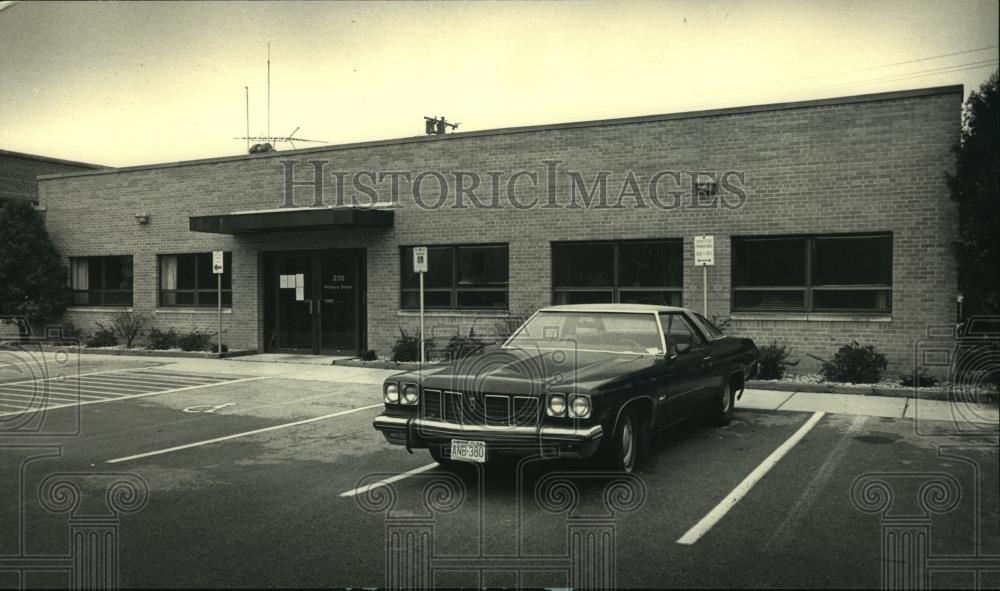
column 468, row 451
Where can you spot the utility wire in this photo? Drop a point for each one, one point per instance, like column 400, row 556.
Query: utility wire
column 923, row 59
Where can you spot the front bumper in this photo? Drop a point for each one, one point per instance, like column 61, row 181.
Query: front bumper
column 547, row 440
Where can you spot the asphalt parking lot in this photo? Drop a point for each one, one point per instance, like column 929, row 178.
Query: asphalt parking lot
column 266, row 474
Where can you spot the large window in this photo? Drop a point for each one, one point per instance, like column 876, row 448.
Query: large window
column 632, row 272
column 186, row 280
column 101, row 281
column 465, row 277
column 845, row 273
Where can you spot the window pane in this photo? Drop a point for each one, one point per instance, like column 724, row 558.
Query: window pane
column 185, row 298
column 482, row 265
column 651, row 264
column 777, row 262
column 168, row 299
column 851, row 299
column 117, row 273
column 769, row 300
column 432, row 299
column 206, row 278
column 852, row 260
column 94, row 276
column 584, row 297
column 482, row 299
column 657, row 298
column 117, row 298
column 583, row 265
column 676, row 330
column 439, row 268
column 186, row 271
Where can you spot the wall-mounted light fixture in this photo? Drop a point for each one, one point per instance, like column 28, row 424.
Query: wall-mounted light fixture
column 142, row 218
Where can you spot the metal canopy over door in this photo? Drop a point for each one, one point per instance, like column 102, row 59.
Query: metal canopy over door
column 318, row 302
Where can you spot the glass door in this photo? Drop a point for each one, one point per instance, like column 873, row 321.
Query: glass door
column 339, row 301
column 294, row 327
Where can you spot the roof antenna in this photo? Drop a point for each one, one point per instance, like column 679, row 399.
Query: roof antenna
column 268, row 88
column 247, row 90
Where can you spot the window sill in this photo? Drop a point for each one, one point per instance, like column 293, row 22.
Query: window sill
column 442, row 313
column 813, row 317
column 191, row 310
column 102, row 309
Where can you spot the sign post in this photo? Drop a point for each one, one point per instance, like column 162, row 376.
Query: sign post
column 704, row 257
column 420, row 266
column 218, row 267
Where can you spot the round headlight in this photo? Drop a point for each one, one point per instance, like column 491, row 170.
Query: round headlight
column 579, row 407
column 557, row 405
column 391, row 393
column 410, row 394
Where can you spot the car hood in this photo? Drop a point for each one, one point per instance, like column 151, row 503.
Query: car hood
column 527, row 372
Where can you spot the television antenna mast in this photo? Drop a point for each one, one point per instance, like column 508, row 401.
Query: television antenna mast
column 264, row 141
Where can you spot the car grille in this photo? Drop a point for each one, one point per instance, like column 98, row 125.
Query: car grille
column 494, row 410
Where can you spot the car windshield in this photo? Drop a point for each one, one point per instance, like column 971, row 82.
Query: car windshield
column 613, row 332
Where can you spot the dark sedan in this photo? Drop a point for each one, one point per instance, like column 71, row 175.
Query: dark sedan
column 587, row 381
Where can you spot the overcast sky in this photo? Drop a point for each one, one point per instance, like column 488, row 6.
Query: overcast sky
column 123, row 83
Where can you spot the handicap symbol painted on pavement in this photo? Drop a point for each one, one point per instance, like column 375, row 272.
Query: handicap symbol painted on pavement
column 207, row 408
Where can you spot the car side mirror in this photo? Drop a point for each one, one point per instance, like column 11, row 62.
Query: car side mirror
column 681, row 348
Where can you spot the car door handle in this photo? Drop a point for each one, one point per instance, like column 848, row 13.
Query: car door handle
column 706, row 360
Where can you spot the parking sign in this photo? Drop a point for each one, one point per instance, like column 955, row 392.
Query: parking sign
column 704, row 251
column 420, row 259
column 218, row 267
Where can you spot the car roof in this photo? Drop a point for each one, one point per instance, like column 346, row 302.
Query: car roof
column 630, row 308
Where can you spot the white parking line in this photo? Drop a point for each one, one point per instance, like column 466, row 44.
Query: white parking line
column 244, row 434
column 94, row 373
column 387, row 481
column 144, row 394
column 715, row 515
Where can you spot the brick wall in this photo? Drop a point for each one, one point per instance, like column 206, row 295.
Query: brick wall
column 855, row 166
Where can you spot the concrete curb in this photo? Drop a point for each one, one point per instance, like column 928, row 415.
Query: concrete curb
column 935, row 393
column 149, row 352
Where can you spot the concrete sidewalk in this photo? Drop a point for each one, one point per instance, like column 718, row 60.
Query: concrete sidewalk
column 873, row 406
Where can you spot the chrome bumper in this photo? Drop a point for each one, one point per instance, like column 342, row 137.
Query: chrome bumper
column 418, row 432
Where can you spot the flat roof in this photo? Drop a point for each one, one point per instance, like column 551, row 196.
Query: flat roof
column 50, row 159
column 294, row 218
column 862, row 98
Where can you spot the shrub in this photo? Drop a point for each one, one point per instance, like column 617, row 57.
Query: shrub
column 127, row 325
column 460, row 346
column 215, row 348
column 369, row 355
column 723, row 323
column 407, row 347
column 773, row 361
column 194, row 341
column 854, row 364
column 918, row 380
column 32, row 274
column 159, row 340
column 103, row 337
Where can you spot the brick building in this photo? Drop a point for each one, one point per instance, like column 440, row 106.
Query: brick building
column 831, row 222
column 19, row 172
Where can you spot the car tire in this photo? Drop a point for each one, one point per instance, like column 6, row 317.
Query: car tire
column 721, row 411
column 621, row 451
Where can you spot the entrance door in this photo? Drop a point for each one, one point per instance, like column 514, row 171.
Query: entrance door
column 318, row 302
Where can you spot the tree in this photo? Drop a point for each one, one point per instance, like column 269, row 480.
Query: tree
column 32, row 275
column 975, row 188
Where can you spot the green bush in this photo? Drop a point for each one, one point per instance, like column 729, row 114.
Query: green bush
column 215, row 348
column 854, row 364
column 159, row 340
column 194, row 341
column 921, row 380
column 774, row 361
column 102, row 337
column 32, row 274
column 460, row 346
column 369, row 355
column 407, row 347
